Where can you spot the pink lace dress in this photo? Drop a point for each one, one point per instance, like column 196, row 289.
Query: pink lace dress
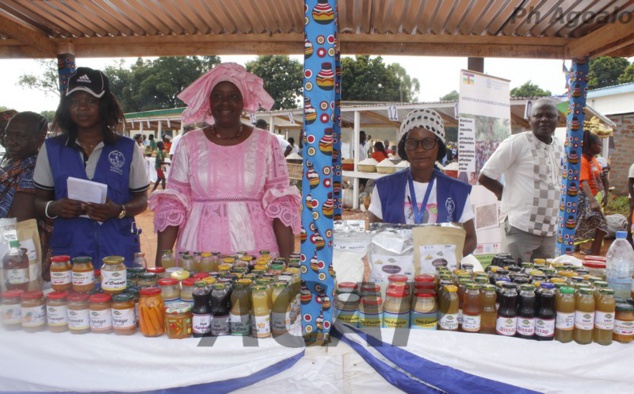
column 225, row 198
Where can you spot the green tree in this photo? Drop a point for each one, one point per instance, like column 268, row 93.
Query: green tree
column 47, row 81
column 369, row 79
column 48, row 115
column 529, row 89
column 451, row 96
column 627, row 75
column 283, row 78
column 605, row 71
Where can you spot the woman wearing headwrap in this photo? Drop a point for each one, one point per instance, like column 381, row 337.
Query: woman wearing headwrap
column 421, row 193
column 228, row 189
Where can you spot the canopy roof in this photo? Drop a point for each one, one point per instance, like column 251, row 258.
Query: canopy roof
column 476, row 28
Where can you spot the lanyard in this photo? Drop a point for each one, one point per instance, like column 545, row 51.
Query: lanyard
column 419, row 215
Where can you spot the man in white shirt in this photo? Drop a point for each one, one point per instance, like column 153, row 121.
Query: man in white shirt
column 363, row 150
column 531, row 164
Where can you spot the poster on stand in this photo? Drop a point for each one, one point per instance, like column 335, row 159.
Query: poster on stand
column 485, row 121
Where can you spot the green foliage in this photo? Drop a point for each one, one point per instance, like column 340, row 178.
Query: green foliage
column 529, row 89
column 605, row 71
column 451, row 96
column 47, row 81
column 48, row 115
column 628, row 74
column 283, row 78
column 369, row 79
column 618, row 204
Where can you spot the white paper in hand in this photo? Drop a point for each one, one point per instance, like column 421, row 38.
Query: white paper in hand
column 86, row 191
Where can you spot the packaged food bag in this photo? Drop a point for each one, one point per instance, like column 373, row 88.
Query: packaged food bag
column 437, row 244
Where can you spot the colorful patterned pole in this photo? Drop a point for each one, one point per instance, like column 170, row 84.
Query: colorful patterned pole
column 65, row 68
column 567, row 220
column 317, row 292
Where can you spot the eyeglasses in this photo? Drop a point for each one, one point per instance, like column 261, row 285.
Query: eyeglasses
column 427, row 143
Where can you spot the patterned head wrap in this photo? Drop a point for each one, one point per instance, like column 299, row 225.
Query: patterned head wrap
column 427, row 119
column 196, row 95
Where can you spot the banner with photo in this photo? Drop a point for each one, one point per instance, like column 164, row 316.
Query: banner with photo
column 485, row 121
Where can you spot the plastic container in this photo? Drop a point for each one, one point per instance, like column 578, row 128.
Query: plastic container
column 620, row 265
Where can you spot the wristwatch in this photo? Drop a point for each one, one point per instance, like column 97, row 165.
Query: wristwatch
column 122, row 213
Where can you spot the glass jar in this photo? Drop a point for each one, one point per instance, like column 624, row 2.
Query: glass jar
column 187, row 263
column 152, row 312
column 424, row 314
column 78, row 313
column 260, row 312
column 370, row 311
column 57, row 311
column 12, row 310
column 100, row 313
column 170, row 290
column 178, row 320
column 347, row 287
column 134, row 290
column 139, row 261
column 97, row 281
column 623, row 323
column 61, row 273
column 424, row 282
column 167, row 259
column 147, row 279
column 33, row 311
column 16, row 267
column 197, row 260
column 136, row 271
column 396, row 309
column 114, row 275
column 123, row 320
column 83, row 276
column 187, row 289
column 207, row 263
column 159, row 271
column 347, row 305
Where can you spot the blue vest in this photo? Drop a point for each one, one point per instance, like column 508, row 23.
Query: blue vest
column 451, row 195
column 86, row 237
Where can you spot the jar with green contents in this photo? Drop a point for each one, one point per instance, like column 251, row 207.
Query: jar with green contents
column 565, row 320
column 604, row 317
column 147, row 279
column 584, row 316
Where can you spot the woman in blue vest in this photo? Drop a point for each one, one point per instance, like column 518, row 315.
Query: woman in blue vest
column 422, row 193
column 89, row 149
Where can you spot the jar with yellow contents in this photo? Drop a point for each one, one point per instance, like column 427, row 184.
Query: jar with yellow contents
column 114, row 275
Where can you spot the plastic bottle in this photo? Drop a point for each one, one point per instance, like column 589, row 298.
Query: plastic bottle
column 620, row 265
column 16, row 268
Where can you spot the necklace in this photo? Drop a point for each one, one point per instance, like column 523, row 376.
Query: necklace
column 220, row 137
column 86, row 146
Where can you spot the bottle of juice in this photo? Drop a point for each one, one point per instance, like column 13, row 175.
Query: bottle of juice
column 201, row 319
column 604, row 318
column 472, row 308
column 489, row 313
column 565, row 308
column 448, row 311
column 280, row 318
column 16, row 267
column 506, row 323
column 526, row 312
column 240, row 316
column 260, row 312
column 220, row 308
column 584, row 316
column 545, row 321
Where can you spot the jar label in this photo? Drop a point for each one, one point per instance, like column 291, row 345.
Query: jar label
column 101, row 320
column 565, row 321
column 114, row 280
column 83, row 278
column 584, row 320
column 280, row 321
column 261, row 326
column 526, row 326
column 78, row 319
column 448, row 321
column 624, row 327
column 349, row 317
column 604, row 320
column 33, row 316
column 11, row 314
column 424, row 321
column 220, row 325
column 471, row 323
column 370, row 320
column 61, row 278
column 17, row 276
column 545, row 328
column 240, row 324
column 506, row 325
column 396, row 320
column 201, row 323
column 57, row 316
column 123, row 318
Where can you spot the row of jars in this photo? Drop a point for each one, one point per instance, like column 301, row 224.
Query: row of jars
column 215, row 261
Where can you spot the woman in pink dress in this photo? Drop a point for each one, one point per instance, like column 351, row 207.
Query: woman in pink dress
column 228, row 189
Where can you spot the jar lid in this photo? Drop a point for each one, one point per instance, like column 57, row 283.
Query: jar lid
column 547, row 285
column 174, row 308
column 12, row 293
column 137, row 270
column 209, row 280
column 200, row 283
column 180, row 274
column 167, row 282
column 371, row 300
column 200, row 275
column 594, row 258
column 164, row 251
column 123, row 297
column 218, row 286
column 147, row 276
column 32, row 295
column 370, row 287
column 265, row 252
column 424, row 278
column 398, row 293
column 205, row 254
column 451, row 288
column 348, row 297
column 151, row 291
column 113, row 260
column 228, row 260
column 189, row 282
column 81, row 259
column 187, row 257
column 594, row 264
column 397, row 278
column 78, row 297
column 246, row 282
column 607, row 290
column 156, row 270
column 586, row 290
column 623, row 307
column 100, row 297
column 425, row 294
column 488, row 287
column 60, row 258
column 347, row 285
column 134, row 290
column 280, row 285
column 97, row 273
column 57, row 295
column 258, row 288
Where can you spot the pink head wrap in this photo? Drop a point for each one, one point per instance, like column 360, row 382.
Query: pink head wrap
column 196, row 95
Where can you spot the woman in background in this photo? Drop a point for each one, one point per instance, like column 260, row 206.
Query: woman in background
column 379, row 153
